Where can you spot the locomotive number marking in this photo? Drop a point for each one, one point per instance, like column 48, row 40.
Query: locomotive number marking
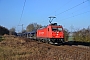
column 41, row 33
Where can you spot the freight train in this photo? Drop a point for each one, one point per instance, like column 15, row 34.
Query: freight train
column 53, row 34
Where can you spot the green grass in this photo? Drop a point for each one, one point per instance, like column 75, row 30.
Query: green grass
column 1, row 38
column 70, row 38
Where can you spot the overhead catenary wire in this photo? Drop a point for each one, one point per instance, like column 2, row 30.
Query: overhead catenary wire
column 76, row 15
column 78, row 10
column 59, row 8
column 21, row 16
column 72, row 7
column 62, row 5
column 22, row 12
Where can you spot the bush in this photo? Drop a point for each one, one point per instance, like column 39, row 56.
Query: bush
column 1, row 38
column 3, row 30
column 82, row 35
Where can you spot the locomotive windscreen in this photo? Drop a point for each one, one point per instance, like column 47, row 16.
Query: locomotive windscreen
column 56, row 29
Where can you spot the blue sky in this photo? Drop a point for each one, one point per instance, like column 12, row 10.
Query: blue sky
column 67, row 13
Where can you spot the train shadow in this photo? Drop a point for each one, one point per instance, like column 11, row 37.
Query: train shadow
column 77, row 43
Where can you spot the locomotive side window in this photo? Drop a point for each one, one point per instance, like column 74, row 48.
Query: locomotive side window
column 54, row 29
column 48, row 29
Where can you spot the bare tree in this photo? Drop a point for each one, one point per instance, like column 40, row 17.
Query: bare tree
column 12, row 31
column 33, row 26
column 66, row 34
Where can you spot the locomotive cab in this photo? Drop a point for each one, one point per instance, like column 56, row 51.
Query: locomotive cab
column 57, row 35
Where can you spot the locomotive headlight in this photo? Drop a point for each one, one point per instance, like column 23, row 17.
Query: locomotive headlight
column 57, row 34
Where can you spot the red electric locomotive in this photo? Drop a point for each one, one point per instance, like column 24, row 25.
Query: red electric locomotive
column 52, row 34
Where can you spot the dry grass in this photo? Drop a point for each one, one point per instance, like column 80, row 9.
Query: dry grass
column 16, row 48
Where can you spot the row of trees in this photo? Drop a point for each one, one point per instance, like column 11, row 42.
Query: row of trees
column 82, row 35
column 30, row 27
column 4, row 30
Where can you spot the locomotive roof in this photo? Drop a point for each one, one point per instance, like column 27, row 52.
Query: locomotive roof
column 51, row 24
